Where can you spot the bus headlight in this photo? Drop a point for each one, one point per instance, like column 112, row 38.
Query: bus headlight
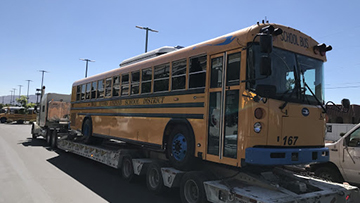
column 257, row 127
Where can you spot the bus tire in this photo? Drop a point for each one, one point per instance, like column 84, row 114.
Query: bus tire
column 3, row 120
column 20, row 122
column 154, row 179
column 54, row 138
column 192, row 187
column 87, row 131
column 33, row 134
column 127, row 169
column 181, row 148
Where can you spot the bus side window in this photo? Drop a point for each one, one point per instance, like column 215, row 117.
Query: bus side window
column 108, row 87
column 197, row 72
column 178, row 75
column 146, row 80
column 93, row 90
column 88, row 90
column 161, row 78
column 83, row 92
column 78, row 92
column 100, row 90
column 116, row 86
column 125, row 84
column 135, row 82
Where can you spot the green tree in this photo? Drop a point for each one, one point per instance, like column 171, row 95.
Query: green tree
column 22, row 100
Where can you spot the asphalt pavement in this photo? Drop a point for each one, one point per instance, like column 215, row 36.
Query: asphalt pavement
column 32, row 172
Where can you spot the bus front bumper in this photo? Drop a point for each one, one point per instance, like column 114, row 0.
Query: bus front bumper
column 285, row 156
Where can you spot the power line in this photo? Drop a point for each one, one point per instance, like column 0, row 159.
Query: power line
column 344, row 87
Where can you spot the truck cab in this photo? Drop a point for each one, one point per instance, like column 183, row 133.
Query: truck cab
column 344, row 163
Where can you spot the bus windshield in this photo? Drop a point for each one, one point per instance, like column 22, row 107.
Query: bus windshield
column 290, row 73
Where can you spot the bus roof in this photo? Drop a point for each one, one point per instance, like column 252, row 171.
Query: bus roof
column 232, row 40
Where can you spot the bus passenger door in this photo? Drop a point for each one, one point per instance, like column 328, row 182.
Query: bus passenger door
column 224, row 108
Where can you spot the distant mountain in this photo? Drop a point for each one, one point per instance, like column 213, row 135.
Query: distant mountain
column 6, row 99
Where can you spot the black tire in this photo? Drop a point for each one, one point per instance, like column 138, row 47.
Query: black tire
column 3, row 120
column 20, row 122
column 181, row 148
column 328, row 173
column 54, row 138
column 33, row 134
column 48, row 136
column 127, row 169
column 192, row 187
column 154, row 179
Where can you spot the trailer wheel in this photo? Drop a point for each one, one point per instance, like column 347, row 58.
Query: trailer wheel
column 127, row 170
column 54, row 138
column 192, row 187
column 3, row 120
column 329, row 174
column 48, row 136
column 154, row 179
column 181, row 148
column 33, row 134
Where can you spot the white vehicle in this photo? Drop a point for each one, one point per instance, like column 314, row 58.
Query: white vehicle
column 212, row 182
column 333, row 130
column 344, row 164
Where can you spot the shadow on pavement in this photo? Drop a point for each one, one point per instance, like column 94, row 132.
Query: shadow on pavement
column 107, row 182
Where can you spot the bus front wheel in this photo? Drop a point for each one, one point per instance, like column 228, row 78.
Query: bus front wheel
column 181, row 148
column 3, row 120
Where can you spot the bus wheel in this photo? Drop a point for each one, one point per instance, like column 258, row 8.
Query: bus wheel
column 33, row 134
column 127, row 170
column 54, row 137
column 48, row 136
column 154, row 179
column 87, row 131
column 20, row 122
column 192, row 187
column 3, row 120
column 181, row 148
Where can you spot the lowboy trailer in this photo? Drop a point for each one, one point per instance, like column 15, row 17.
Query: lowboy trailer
column 212, row 182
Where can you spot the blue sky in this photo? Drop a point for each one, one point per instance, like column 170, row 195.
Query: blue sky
column 52, row 35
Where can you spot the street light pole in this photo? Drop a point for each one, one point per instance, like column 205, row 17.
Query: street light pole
column 147, row 34
column 14, row 95
column 27, row 96
column 87, row 61
column 20, row 90
column 11, row 96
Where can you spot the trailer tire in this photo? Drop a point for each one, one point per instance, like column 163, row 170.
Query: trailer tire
column 192, row 187
column 87, row 131
column 329, row 174
column 3, row 120
column 33, row 134
column 48, row 136
column 181, row 148
column 154, row 179
column 53, row 140
column 127, row 169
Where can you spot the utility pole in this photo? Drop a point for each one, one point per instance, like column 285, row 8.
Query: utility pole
column 87, row 61
column 27, row 97
column 147, row 33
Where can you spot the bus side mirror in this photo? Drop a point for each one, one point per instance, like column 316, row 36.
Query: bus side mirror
column 266, row 43
column 265, row 66
column 342, row 134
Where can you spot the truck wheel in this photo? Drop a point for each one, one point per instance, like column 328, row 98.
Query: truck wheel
column 329, row 174
column 127, row 170
column 33, row 134
column 181, row 148
column 154, row 179
column 54, row 137
column 48, row 136
column 3, row 120
column 192, row 187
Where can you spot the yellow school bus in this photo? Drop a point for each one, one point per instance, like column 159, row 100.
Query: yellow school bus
column 254, row 96
column 18, row 114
